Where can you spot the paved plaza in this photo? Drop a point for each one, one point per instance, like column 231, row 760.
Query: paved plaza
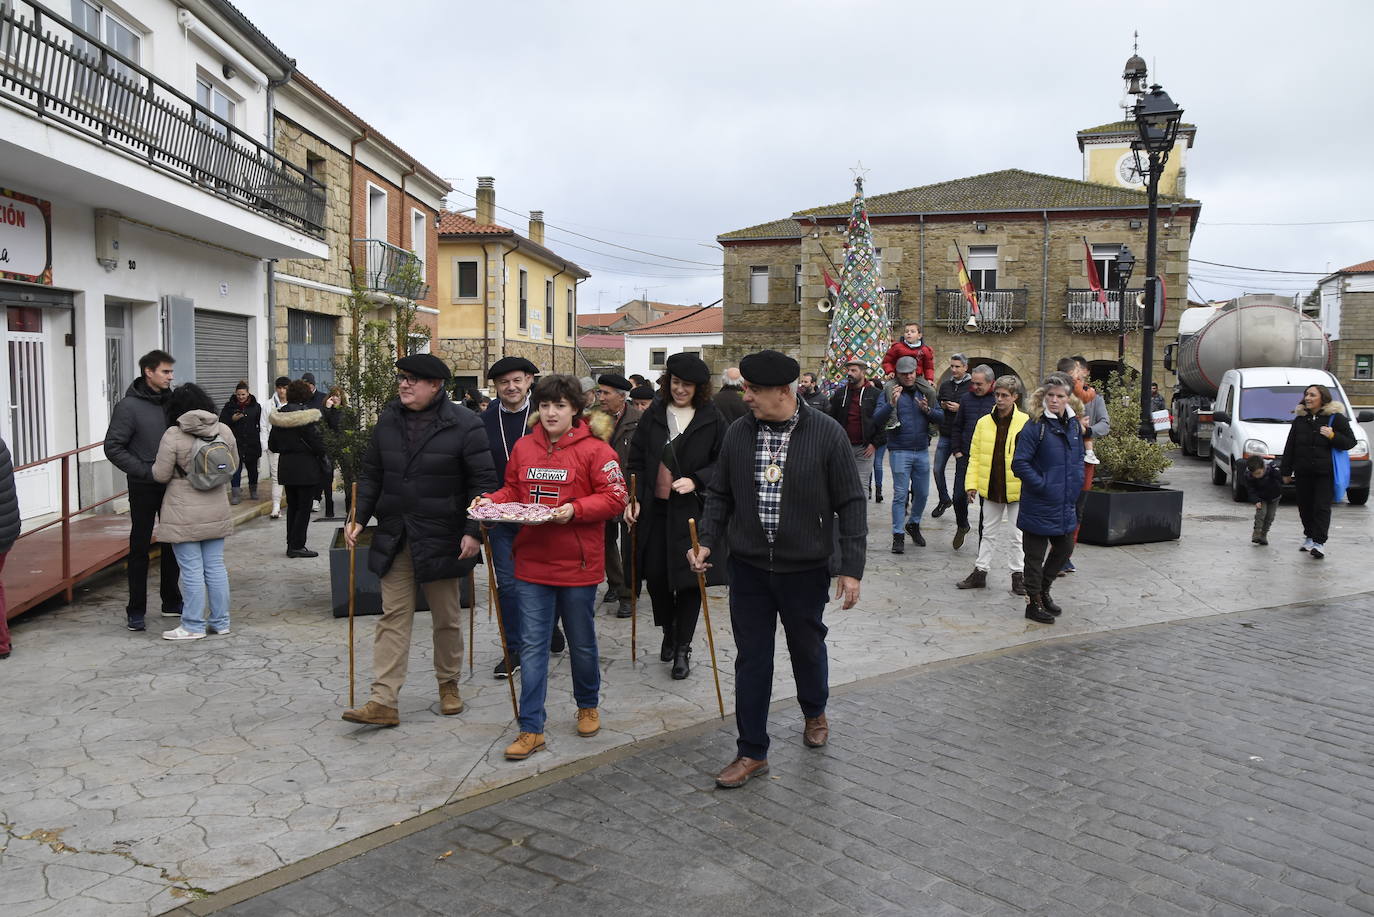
column 140, row 775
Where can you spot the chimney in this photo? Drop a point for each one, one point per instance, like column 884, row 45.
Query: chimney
column 537, row 227
column 486, row 200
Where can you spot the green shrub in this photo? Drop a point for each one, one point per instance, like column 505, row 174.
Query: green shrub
column 1124, row 456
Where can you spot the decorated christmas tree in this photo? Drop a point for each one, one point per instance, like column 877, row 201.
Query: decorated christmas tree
column 858, row 323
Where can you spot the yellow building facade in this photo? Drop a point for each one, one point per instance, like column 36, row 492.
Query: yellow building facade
column 1109, row 160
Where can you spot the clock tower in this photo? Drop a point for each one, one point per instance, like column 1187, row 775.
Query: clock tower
column 1106, row 149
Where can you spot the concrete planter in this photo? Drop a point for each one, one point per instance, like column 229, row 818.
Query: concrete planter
column 366, row 584
column 1131, row 514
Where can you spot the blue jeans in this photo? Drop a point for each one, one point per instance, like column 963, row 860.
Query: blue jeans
column 541, row 605
column 910, row 471
column 878, row 454
column 943, row 449
column 502, row 537
column 202, row 574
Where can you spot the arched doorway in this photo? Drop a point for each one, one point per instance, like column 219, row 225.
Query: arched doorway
column 998, row 368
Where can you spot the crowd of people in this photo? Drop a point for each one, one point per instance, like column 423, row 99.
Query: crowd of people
column 776, row 470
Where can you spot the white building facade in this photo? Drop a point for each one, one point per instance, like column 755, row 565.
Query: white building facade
column 648, row 347
column 140, row 205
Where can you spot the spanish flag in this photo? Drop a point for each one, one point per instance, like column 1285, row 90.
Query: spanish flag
column 966, row 284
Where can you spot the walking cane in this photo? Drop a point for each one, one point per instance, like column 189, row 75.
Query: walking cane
column 634, row 579
column 494, row 599
column 706, row 612
column 352, row 579
column 472, row 612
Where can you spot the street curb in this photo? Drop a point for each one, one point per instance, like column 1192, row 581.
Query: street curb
column 301, row 869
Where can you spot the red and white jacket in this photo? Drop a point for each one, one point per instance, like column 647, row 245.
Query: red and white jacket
column 578, row 469
column 925, row 358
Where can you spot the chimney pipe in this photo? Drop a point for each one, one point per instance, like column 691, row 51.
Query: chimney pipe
column 486, row 200
column 537, row 227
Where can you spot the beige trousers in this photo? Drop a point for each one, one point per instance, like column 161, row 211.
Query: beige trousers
column 391, row 645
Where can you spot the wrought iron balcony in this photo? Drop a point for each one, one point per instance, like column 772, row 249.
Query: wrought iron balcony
column 385, row 268
column 72, row 79
column 1085, row 315
column 999, row 311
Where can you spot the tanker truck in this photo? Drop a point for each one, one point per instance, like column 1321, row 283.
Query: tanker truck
column 1258, row 329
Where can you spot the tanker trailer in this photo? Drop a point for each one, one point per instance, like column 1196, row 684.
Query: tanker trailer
column 1258, row 329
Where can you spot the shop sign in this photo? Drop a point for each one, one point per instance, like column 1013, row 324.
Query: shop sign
column 25, row 238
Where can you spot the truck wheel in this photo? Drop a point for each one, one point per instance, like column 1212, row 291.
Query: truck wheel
column 1357, row 497
column 1238, row 484
column 1218, row 476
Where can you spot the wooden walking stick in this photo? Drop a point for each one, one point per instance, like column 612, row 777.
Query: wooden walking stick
column 634, row 579
column 472, row 613
column 352, row 580
column 494, row 599
column 706, row 612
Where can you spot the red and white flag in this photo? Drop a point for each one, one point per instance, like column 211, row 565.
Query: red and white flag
column 1093, row 280
column 830, row 283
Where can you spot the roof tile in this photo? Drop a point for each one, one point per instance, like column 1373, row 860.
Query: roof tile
column 1364, row 267
column 703, row 320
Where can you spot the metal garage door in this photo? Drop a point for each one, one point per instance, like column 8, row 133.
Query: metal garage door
column 310, row 346
column 221, row 353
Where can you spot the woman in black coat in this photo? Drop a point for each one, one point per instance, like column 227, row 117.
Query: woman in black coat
column 674, row 453
column 243, row 416
column 296, row 439
column 1319, row 430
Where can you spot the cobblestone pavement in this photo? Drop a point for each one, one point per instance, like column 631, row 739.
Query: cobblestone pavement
column 138, row 773
column 1216, row 767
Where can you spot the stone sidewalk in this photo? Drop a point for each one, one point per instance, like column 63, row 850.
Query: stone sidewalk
column 140, row 773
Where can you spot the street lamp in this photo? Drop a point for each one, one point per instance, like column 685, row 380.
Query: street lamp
column 1157, row 120
column 1125, row 266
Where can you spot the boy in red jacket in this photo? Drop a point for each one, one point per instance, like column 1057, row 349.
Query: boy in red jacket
column 558, row 565
column 910, row 345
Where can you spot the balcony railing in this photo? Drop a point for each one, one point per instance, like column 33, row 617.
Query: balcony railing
column 109, row 98
column 385, row 268
column 1085, row 315
column 999, row 311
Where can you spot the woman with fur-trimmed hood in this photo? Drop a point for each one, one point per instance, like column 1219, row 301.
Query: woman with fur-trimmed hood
column 1319, row 429
column 296, row 439
column 1049, row 463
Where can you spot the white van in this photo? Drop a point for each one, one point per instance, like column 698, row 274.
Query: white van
column 1253, row 412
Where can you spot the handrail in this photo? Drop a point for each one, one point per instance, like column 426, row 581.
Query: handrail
column 52, row 458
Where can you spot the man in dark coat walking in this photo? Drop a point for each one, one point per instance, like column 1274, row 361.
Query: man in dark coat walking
column 730, row 399
column 428, row 459
column 974, row 405
column 619, row 419
column 136, row 427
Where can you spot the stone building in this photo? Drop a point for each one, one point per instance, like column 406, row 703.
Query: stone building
column 380, row 222
column 1346, row 303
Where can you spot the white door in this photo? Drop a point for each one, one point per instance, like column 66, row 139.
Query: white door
column 29, row 396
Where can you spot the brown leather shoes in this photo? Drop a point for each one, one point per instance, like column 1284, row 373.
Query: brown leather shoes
column 374, row 714
column 450, row 703
column 525, row 744
column 816, row 731
column 738, row 772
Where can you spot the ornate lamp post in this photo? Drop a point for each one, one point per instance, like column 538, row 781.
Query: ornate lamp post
column 1157, row 119
column 1125, row 266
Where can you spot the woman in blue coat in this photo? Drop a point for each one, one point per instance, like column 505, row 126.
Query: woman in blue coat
column 1049, row 463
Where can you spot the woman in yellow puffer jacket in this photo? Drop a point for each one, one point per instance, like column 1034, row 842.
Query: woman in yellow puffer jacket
column 990, row 478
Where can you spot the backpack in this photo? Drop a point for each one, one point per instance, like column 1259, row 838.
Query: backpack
column 211, row 465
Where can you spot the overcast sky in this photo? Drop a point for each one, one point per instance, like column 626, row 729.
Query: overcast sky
column 658, row 126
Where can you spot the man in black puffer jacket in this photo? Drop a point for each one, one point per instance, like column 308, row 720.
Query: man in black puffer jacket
column 428, row 459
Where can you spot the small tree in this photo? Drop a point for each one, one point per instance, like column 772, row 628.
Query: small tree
column 1124, row 456
column 366, row 372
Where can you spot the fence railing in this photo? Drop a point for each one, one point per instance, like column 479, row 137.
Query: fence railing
column 387, row 268
column 999, row 311
column 1085, row 315
column 69, row 77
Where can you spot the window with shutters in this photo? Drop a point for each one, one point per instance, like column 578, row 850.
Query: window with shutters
column 758, row 284
column 524, row 292
column 982, row 266
column 549, row 325
column 465, row 279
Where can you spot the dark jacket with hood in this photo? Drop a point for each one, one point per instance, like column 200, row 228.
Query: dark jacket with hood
column 1308, row 453
column 692, row 455
column 1049, row 462
column 873, row 433
column 247, row 429
column 417, row 477
column 296, row 439
column 951, row 390
column 136, row 427
column 9, row 502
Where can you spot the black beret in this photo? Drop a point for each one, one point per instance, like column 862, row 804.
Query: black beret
column 689, row 368
column 768, row 367
column 614, row 381
column 642, row 393
column 424, row 365
column 510, row 365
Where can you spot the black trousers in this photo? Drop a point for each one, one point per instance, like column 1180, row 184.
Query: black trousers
column 298, row 505
column 1315, row 493
column 958, row 495
column 325, row 491
column 675, row 610
column 758, row 599
column 1041, row 569
column 145, row 502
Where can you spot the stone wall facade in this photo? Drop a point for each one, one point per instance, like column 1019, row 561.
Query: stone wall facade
column 1357, row 339
column 1037, row 253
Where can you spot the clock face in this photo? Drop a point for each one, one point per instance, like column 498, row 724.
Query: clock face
column 1126, row 170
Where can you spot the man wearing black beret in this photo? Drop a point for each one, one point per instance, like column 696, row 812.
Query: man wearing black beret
column 618, row 420
column 784, row 460
column 642, row 396
column 427, row 456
